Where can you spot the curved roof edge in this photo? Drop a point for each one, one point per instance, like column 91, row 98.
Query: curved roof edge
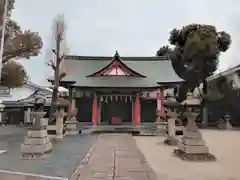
column 116, row 59
column 125, row 58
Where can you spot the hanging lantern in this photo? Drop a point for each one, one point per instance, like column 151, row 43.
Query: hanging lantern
column 111, row 98
column 116, row 98
column 106, row 100
column 101, row 99
column 130, row 98
column 126, row 99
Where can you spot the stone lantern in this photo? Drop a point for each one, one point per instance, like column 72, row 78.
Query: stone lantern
column 171, row 106
column 37, row 142
column 228, row 124
column 60, row 113
column 192, row 147
column 71, row 125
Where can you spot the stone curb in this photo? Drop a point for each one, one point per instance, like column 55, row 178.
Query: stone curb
column 85, row 161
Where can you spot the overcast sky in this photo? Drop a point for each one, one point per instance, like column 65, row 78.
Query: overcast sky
column 133, row 27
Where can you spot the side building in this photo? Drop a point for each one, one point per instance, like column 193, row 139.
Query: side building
column 223, row 95
column 15, row 110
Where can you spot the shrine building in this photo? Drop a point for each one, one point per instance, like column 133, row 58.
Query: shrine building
column 117, row 90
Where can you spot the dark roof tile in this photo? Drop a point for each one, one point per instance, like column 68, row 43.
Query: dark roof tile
column 156, row 69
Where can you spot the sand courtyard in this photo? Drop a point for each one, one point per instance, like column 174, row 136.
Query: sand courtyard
column 224, row 145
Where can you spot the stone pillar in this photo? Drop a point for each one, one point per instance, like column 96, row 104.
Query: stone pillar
column 36, row 143
column 27, row 116
column 72, row 124
column 192, row 146
column 59, row 114
column 171, row 139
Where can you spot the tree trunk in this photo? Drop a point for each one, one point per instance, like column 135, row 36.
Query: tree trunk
column 56, row 80
column 204, row 105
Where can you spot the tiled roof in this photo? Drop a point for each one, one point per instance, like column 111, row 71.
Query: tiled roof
column 156, row 69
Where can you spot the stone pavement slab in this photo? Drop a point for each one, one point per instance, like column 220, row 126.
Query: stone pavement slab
column 61, row 162
column 115, row 157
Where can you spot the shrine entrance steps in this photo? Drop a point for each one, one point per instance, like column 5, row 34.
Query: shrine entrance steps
column 114, row 157
column 125, row 129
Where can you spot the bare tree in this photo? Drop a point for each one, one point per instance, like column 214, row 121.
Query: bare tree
column 59, row 28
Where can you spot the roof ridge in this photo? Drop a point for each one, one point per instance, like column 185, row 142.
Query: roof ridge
column 124, row 58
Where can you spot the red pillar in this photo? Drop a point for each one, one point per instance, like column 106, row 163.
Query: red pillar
column 95, row 110
column 137, row 111
column 99, row 112
column 133, row 112
column 162, row 99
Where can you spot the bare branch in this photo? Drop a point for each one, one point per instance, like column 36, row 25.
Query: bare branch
column 52, row 65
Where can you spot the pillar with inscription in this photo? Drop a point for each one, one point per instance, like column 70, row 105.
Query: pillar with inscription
column 36, row 144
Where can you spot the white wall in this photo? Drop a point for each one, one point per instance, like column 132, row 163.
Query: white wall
column 18, row 93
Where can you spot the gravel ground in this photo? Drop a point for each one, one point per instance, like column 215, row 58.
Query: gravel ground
column 61, row 162
column 223, row 144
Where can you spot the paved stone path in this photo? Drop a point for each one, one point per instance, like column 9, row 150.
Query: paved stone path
column 66, row 156
column 115, row 157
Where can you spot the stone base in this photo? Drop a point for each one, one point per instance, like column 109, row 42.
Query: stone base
column 71, row 128
column 194, row 157
column 72, row 132
column 193, row 142
column 36, row 148
column 36, row 145
column 59, row 136
column 171, row 141
column 34, row 155
column 53, row 134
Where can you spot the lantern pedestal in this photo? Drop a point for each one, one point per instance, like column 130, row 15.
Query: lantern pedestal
column 171, row 139
column 37, row 143
column 192, row 147
column 71, row 125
